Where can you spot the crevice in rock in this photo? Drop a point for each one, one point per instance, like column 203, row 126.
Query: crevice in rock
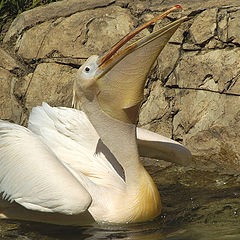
column 103, row 6
column 53, row 25
column 173, row 114
column 24, row 95
column 217, row 23
column 40, row 46
column 235, row 9
column 196, row 12
column 18, row 72
column 37, row 55
column 148, row 85
column 232, row 82
column 202, row 89
column 86, row 33
column 164, row 82
column 186, row 35
column 180, row 126
column 148, row 88
column 203, row 49
column 73, row 65
column 178, row 139
column 207, row 77
column 122, row 4
column 203, row 44
column 236, row 44
column 71, row 61
column 155, row 119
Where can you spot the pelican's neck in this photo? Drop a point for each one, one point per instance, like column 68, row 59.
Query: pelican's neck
column 119, row 137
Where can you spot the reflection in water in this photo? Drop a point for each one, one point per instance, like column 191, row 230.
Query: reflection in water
column 196, row 206
column 33, row 231
column 136, row 231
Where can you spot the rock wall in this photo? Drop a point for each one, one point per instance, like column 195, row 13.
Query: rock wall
column 192, row 94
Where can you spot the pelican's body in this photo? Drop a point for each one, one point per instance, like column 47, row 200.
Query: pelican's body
column 74, row 167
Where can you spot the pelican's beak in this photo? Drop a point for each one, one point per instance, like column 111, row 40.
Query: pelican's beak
column 121, row 74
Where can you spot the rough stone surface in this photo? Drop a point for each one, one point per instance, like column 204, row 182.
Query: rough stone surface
column 192, row 94
column 32, row 38
column 167, row 61
column 9, row 107
column 6, row 61
column 220, row 70
column 203, row 28
column 53, row 10
column 234, row 27
column 208, row 122
column 192, row 5
column 76, row 36
column 51, row 83
column 155, row 111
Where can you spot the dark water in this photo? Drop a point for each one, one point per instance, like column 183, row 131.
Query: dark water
column 197, row 205
column 32, row 231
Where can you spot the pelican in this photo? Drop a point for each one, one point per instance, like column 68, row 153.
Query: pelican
column 74, row 166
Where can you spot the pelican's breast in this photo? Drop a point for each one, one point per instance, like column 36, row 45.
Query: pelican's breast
column 147, row 203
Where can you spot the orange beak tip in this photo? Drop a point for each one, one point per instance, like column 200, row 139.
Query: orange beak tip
column 178, row 6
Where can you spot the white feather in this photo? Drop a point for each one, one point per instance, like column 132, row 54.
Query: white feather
column 32, row 175
column 71, row 136
column 153, row 145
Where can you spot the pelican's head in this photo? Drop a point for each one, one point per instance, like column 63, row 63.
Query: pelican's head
column 117, row 78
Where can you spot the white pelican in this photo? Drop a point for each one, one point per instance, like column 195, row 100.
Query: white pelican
column 75, row 167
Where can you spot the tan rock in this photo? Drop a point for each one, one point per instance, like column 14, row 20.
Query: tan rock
column 21, row 86
column 167, row 60
column 138, row 7
column 214, row 44
column 222, row 29
column 77, row 36
column 178, row 36
column 188, row 5
column 156, row 106
column 51, row 11
column 234, row 27
column 51, row 83
column 34, row 37
column 208, row 123
column 190, row 46
column 162, row 126
column 198, row 110
column 234, row 85
column 209, row 84
column 110, row 26
column 204, row 26
column 6, row 61
column 194, row 70
column 229, row 26
column 145, row 17
column 9, row 107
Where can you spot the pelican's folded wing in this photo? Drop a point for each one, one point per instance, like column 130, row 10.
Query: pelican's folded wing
column 71, row 136
column 32, row 175
column 153, row 145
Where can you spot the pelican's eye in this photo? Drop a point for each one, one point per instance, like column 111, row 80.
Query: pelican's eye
column 87, row 69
